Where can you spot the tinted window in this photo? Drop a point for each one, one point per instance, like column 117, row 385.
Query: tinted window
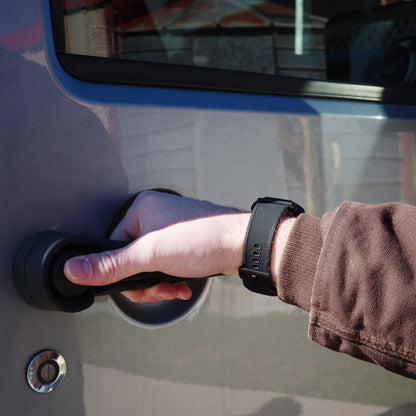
column 364, row 42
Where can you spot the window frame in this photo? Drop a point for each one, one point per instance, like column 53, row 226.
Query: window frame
column 149, row 74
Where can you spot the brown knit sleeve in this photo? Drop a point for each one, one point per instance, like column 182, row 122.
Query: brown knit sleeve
column 354, row 271
column 298, row 266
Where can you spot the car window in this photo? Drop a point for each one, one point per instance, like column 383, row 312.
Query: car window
column 242, row 44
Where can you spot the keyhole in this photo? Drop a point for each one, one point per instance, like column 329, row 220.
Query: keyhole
column 48, row 372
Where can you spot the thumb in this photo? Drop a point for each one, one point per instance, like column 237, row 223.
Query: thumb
column 99, row 269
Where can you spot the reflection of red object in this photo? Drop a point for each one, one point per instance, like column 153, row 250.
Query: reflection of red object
column 126, row 12
column 143, row 13
column 25, row 38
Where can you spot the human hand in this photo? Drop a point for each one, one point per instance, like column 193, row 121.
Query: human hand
column 175, row 235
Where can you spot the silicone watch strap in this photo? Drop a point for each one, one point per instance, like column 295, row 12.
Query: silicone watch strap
column 266, row 215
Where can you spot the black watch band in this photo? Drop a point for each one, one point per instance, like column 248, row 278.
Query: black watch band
column 266, row 215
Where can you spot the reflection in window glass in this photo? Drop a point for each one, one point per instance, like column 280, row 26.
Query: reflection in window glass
column 367, row 41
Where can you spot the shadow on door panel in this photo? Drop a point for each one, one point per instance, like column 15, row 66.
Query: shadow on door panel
column 60, row 170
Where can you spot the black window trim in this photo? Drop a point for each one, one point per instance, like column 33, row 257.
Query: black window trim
column 121, row 71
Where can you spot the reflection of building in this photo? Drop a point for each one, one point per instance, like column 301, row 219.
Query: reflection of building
column 257, row 37
column 254, row 36
column 284, row 37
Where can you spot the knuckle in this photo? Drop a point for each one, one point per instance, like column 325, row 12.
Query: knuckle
column 146, row 198
column 106, row 267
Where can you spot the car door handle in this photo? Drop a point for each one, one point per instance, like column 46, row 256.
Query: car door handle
column 39, row 278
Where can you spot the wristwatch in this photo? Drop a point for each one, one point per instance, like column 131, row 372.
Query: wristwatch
column 266, row 214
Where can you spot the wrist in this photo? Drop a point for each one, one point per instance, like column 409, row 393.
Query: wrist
column 234, row 231
column 267, row 214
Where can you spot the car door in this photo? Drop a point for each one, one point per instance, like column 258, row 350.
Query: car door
column 225, row 101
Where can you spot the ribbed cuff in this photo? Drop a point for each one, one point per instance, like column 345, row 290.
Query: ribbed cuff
column 299, row 262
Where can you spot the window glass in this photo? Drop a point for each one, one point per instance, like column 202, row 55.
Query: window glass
column 363, row 42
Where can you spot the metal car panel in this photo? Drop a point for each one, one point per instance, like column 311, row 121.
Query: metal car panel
column 73, row 152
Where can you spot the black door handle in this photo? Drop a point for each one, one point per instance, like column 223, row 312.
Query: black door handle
column 39, row 278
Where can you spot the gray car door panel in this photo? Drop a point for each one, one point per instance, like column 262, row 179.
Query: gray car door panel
column 69, row 162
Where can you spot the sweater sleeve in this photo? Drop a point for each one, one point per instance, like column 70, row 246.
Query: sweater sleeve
column 354, row 272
